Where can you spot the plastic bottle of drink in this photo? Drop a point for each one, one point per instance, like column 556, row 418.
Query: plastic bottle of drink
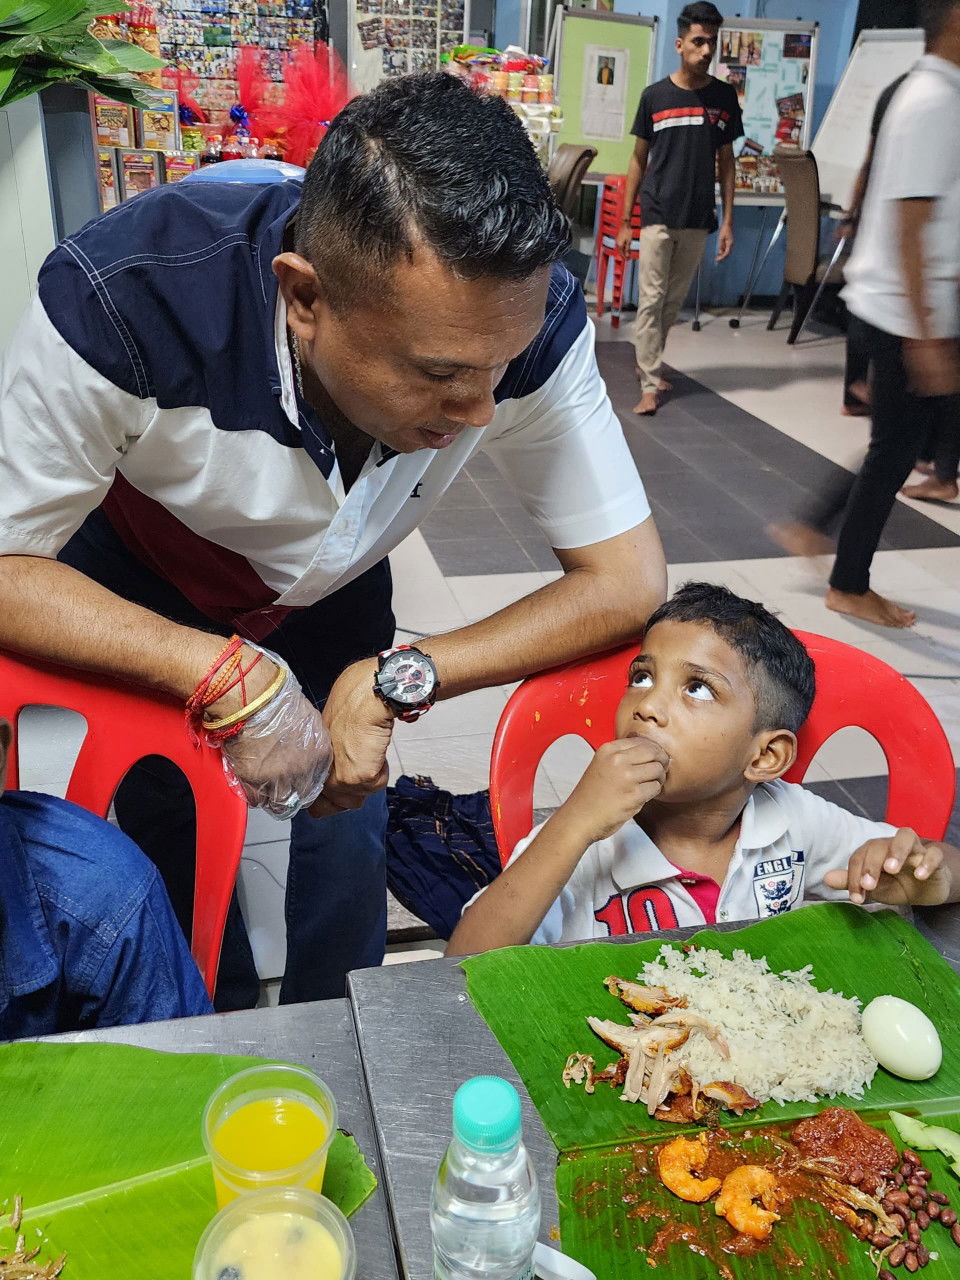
column 485, row 1211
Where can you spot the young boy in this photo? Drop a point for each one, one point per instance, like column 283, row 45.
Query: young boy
column 87, row 934
column 683, row 819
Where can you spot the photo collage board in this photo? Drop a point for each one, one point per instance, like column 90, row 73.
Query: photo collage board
column 202, row 37
column 409, row 35
column 770, row 71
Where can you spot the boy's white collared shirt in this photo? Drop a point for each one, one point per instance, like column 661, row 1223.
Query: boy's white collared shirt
column 789, row 839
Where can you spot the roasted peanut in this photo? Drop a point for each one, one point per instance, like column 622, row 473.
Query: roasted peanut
column 884, row 1274
column 916, row 1202
column 939, row 1197
column 955, row 1233
column 923, row 1219
column 933, row 1209
column 880, row 1241
column 897, row 1254
column 910, row 1157
column 913, row 1230
column 912, row 1262
column 948, row 1217
column 923, row 1255
column 898, row 1223
column 897, row 1196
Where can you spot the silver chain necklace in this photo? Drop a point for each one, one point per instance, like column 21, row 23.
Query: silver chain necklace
column 297, row 364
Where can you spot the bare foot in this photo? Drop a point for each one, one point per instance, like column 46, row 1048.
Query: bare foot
column 855, row 410
column 870, row 607
column 664, row 385
column 800, row 539
column 860, row 391
column 932, row 490
column 649, row 403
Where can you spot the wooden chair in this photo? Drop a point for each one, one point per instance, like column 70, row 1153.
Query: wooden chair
column 806, row 274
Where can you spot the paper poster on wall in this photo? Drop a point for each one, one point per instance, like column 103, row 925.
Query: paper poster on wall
column 603, row 109
column 770, row 78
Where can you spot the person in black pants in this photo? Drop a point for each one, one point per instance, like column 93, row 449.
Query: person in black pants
column 902, row 286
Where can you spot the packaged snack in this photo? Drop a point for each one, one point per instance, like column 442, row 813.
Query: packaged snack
column 139, row 171
column 177, row 165
column 158, row 126
column 107, row 182
column 112, row 122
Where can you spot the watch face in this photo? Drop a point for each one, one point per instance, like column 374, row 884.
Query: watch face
column 407, row 677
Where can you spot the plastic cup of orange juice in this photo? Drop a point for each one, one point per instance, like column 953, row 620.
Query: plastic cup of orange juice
column 281, row 1231
column 269, row 1126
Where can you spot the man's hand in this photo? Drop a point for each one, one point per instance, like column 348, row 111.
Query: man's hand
column 724, row 241
column 360, row 728
column 899, row 870
column 624, row 238
column 933, row 365
column 621, row 778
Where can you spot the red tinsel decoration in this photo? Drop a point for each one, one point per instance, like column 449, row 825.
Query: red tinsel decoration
column 252, row 86
column 186, row 85
column 316, row 87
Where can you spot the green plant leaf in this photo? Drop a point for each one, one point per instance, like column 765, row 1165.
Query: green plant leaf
column 131, row 57
column 45, row 16
column 103, row 1144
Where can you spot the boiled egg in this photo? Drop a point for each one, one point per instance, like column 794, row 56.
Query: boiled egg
column 902, row 1038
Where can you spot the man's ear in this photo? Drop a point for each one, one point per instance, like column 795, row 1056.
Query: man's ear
column 301, row 292
column 6, row 737
column 774, row 752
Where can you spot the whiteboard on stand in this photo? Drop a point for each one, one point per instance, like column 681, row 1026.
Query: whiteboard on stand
column 878, row 58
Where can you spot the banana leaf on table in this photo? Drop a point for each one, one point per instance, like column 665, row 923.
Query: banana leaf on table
column 536, row 1000
column 103, row 1144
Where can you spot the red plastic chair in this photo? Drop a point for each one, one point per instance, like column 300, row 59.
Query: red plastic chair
column 608, row 224
column 853, row 688
column 123, row 726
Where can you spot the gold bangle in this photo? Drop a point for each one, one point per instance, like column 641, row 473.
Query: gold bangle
column 259, row 702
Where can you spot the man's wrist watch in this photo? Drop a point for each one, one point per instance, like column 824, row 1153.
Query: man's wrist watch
column 406, row 681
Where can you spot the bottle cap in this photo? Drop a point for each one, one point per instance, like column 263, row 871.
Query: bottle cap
column 486, row 1114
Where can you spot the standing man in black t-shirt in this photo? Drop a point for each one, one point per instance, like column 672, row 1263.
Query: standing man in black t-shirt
column 685, row 129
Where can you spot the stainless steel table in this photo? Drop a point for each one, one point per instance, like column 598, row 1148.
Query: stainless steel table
column 320, row 1036
column 420, row 1038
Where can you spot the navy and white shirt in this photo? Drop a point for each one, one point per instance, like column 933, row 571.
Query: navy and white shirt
column 151, row 375
column 789, row 839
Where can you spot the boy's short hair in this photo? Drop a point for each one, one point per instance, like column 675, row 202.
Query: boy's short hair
column 701, row 13
column 781, row 671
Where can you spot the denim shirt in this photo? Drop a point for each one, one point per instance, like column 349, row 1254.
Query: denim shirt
column 87, row 934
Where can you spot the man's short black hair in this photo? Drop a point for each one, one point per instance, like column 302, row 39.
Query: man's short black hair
column 702, row 14
column 934, row 15
column 781, row 671
column 423, row 158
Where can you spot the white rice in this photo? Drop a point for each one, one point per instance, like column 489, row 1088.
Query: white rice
column 788, row 1041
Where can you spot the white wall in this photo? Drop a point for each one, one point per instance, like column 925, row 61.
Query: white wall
column 26, row 219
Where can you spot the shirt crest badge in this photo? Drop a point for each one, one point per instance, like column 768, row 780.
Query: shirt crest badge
column 778, row 883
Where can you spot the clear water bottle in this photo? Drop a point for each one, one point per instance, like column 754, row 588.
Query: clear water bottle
column 485, row 1211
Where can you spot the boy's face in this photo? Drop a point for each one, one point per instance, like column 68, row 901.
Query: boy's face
column 696, row 48
column 688, row 690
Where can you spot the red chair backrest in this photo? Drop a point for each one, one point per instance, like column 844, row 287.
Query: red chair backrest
column 853, row 688
column 123, row 726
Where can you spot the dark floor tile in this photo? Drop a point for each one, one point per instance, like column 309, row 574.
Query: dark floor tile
column 500, row 493
column 521, row 524
column 482, row 522
column 541, row 553
column 683, row 547
column 480, row 467
column 462, row 495
column 457, row 557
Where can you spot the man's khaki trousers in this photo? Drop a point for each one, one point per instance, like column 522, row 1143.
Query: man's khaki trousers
column 668, row 263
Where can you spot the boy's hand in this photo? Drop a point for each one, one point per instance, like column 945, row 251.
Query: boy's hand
column 899, row 870
column 620, row 779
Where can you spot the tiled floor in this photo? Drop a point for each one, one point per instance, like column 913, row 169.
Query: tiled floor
column 752, row 432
